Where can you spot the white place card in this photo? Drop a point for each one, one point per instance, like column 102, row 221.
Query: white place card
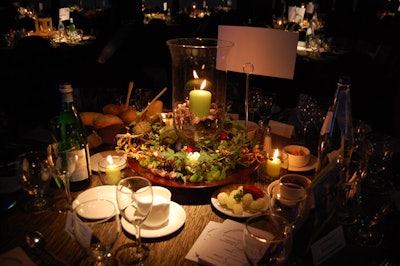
column 281, row 129
column 328, row 246
column 64, row 13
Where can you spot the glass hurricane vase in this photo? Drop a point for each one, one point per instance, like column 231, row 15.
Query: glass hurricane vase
column 199, row 80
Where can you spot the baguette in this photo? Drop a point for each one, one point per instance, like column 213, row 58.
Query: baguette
column 113, row 109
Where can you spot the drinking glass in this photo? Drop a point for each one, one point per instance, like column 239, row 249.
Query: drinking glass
column 381, row 152
column 96, row 227
column 373, row 204
column 34, row 174
column 265, row 107
column 134, row 199
column 142, row 98
column 255, row 97
column 290, row 203
column 63, row 163
column 267, row 239
column 306, row 111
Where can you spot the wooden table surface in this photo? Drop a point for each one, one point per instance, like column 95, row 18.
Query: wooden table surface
column 168, row 250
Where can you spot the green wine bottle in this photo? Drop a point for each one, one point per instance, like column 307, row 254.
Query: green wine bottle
column 70, row 132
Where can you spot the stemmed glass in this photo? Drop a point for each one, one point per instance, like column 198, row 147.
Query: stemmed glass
column 255, row 97
column 291, row 205
column 63, row 163
column 134, row 199
column 267, row 239
column 34, row 173
column 381, row 153
column 306, row 111
column 265, row 107
column 96, row 227
column 142, row 98
column 373, row 204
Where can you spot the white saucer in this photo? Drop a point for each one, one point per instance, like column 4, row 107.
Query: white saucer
column 95, row 158
column 107, row 192
column 177, row 218
column 312, row 163
column 226, row 211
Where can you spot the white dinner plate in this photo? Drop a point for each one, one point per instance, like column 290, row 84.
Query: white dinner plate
column 312, row 163
column 177, row 217
column 225, row 210
column 107, row 192
column 95, row 158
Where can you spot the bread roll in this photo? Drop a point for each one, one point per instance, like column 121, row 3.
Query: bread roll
column 130, row 116
column 154, row 111
column 89, row 117
column 106, row 120
column 113, row 109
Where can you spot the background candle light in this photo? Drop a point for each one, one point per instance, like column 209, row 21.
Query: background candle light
column 110, row 171
column 274, row 165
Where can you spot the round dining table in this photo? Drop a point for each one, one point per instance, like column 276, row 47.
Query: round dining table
column 169, row 249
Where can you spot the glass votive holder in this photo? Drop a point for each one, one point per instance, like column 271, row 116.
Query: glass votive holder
column 112, row 169
column 273, row 166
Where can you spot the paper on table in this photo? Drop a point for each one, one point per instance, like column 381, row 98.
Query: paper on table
column 205, row 235
column 224, row 246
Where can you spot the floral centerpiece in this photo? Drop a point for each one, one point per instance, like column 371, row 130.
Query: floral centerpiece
column 160, row 151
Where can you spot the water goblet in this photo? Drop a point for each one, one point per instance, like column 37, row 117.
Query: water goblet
column 265, row 107
column 306, row 111
column 267, row 239
column 96, row 227
column 63, row 163
column 34, row 173
column 373, row 204
column 134, row 199
column 255, row 97
column 381, row 152
column 142, row 98
column 289, row 200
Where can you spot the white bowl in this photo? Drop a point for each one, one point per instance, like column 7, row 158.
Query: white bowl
column 298, row 155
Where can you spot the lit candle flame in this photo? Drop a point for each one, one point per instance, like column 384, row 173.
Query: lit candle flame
column 195, row 74
column 276, row 153
column 203, row 85
column 110, row 159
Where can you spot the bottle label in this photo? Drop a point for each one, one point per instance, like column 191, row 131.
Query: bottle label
column 81, row 167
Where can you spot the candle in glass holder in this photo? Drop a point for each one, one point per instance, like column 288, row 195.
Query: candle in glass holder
column 274, row 165
column 113, row 171
column 200, row 101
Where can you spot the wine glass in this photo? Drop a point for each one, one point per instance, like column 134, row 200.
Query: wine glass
column 142, row 98
column 306, row 111
column 96, row 227
column 373, row 204
column 34, row 173
column 255, row 96
column 63, row 162
column 267, row 239
column 134, row 199
column 289, row 200
column 381, row 152
column 265, row 107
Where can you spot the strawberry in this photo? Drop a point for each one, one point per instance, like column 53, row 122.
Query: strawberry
column 254, row 190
